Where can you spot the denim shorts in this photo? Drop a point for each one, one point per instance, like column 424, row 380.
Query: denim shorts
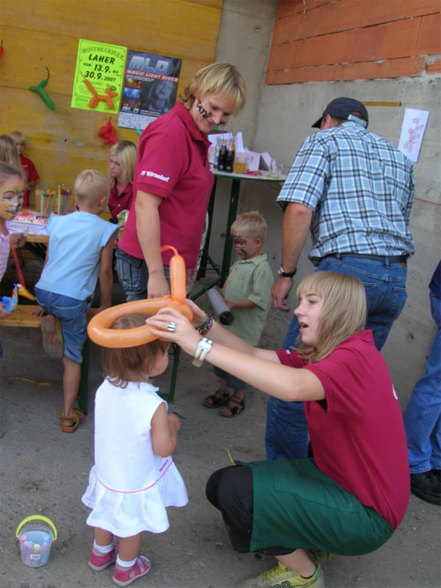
column 72, row 314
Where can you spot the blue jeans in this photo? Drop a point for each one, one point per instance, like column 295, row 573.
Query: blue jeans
column 133, row 275
column 385, row 285
column 422, row 419
column 72, row 314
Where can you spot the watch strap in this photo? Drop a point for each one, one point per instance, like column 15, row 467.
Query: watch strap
column 285, row 274
column 202, row 348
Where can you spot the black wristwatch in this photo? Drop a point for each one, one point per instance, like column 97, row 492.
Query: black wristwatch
column 285, row 274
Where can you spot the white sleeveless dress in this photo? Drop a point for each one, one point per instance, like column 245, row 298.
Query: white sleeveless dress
column 129, row 485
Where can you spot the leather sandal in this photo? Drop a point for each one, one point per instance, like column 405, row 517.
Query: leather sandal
column 219, row 398
column 69, row 424
column 233, row 407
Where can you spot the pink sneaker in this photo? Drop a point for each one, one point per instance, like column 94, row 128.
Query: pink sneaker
column 125, row 576
column 99, row 561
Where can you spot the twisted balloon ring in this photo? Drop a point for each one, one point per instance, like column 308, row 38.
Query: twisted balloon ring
column 99, row 328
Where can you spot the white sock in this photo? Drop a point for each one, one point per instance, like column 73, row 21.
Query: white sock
column 103, row 548
column 125, row 564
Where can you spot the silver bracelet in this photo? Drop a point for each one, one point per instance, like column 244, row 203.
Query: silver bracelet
column 202, row 348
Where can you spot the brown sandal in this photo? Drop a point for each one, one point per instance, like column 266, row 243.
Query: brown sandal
column 71, row 423
column 233, row 407
column 219, row 398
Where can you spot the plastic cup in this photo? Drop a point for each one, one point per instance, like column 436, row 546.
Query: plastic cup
column 241, row 163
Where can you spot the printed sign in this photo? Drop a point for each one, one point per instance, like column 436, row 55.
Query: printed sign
column 98, row 76
column 150, row 88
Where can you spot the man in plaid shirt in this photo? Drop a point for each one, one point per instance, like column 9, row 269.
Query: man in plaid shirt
column 354, row 191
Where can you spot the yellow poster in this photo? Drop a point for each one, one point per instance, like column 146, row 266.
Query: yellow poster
column 99, row 76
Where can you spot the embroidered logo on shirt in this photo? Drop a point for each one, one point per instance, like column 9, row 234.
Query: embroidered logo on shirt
column 155, row 175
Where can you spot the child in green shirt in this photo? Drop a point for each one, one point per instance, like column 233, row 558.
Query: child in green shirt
column 247, row 293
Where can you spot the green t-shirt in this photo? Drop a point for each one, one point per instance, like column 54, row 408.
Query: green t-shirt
column 250, row 279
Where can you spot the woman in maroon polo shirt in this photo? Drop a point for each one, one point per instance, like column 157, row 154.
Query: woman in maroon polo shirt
column 173, row 182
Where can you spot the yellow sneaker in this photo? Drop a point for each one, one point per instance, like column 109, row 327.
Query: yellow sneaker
column 280, row 576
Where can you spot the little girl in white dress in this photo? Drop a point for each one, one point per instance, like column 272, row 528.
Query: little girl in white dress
column 134, row 477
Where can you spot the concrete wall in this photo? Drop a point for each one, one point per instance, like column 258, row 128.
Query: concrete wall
column 277, row 118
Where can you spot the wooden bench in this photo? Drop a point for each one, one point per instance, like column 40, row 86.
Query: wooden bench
column 21, row 317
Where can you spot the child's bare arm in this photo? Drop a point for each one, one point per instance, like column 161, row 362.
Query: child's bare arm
column 164, row 432
column 246, row 303
column 106, row 274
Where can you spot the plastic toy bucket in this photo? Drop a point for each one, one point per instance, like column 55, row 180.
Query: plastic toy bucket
column 35, row 535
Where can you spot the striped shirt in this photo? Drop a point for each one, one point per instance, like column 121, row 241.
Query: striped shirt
column 360, row 189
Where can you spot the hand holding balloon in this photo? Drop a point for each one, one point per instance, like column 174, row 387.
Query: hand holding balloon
column 170, row 325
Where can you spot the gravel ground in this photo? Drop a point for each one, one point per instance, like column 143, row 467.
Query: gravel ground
column 44, row 471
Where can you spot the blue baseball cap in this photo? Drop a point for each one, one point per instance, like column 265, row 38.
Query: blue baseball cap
column 342, row 108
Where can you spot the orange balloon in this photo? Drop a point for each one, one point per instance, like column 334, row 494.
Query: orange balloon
column 99, row 328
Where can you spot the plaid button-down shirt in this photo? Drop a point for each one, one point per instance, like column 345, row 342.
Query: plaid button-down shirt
column 360, row 189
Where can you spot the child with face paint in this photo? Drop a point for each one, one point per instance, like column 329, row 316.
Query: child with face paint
column 12, row 186
column 247, row 293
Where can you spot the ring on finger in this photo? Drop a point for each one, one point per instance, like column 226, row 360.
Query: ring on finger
column 171, row 327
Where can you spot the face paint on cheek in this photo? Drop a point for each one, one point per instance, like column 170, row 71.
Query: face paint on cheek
column 240, row 250
column 8, row 209
column 204, row 113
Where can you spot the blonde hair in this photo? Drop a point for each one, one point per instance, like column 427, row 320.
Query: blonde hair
column 223, row 80
column 127, row 159
column 343, row 310
column 252, row 223
column 90, row 186
column 9, row 154
column 131, row 364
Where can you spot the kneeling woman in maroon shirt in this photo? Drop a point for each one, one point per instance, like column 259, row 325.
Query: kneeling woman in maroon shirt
column 351, row 496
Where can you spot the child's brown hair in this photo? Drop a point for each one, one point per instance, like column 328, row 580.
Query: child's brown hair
column 131, row 364
column 9, row 154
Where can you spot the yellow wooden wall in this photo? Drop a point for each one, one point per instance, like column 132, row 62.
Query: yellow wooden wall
column 39, row 33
